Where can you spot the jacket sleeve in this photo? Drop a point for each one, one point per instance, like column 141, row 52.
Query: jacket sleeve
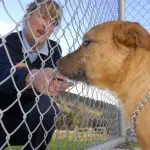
column 10, row 79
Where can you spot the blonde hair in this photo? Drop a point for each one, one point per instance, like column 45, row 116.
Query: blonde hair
column 50, row 8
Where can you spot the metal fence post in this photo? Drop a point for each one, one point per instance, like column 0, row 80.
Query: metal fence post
column 121, row 10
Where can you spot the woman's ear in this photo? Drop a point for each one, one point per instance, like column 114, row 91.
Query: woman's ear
column 131, row 35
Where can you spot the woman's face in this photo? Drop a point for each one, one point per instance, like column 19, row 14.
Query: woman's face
column 38, row 26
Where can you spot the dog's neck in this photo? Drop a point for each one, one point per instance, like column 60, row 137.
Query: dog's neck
column 136, row 84
column 132, row 97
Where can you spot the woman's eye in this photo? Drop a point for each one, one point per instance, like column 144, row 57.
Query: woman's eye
column 86, row 42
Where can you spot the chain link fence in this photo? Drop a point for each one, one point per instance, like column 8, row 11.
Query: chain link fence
column 90, row 118
column 138, row 11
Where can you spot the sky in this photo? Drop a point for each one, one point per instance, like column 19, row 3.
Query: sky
column 138, row 11
column 11, row 13
column 78, row 17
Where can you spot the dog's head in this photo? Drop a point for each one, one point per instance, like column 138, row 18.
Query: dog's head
column 103, row 57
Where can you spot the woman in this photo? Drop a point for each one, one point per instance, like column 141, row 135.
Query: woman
column 27, row 68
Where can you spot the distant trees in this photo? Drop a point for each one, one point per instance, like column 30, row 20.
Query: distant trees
column 84, row 112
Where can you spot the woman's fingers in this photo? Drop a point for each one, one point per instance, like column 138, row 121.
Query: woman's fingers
column 20, row 65
column 56, row 85
column 48, row 81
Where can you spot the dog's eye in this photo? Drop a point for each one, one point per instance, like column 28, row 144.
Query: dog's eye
column 86, row 42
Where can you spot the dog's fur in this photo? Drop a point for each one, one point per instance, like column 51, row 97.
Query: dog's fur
column 116, row 55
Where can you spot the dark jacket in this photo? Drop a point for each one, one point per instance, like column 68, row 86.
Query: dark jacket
column 13, row 80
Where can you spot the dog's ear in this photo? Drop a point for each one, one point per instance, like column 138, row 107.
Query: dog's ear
column 131, row 35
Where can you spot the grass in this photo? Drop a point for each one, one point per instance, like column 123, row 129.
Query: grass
column 136, row 144
column 67, row 142
column 63, row 143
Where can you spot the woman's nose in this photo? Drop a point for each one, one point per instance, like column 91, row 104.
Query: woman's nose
column 46, row 25
column 43, row 26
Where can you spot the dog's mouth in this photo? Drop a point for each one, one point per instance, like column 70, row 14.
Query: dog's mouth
column 78, row 75
column 73, row 67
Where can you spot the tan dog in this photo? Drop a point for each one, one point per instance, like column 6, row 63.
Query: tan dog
column 116, row 56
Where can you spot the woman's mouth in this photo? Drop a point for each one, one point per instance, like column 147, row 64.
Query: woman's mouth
column 41, row 32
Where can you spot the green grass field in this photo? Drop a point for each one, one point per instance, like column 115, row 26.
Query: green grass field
column 136, row 144
column 69, row 143
column 64, row 143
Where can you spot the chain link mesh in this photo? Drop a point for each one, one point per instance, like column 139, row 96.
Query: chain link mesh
column 89, row 116
column 138, row 11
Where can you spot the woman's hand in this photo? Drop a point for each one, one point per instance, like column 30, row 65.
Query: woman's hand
column 47, row 81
